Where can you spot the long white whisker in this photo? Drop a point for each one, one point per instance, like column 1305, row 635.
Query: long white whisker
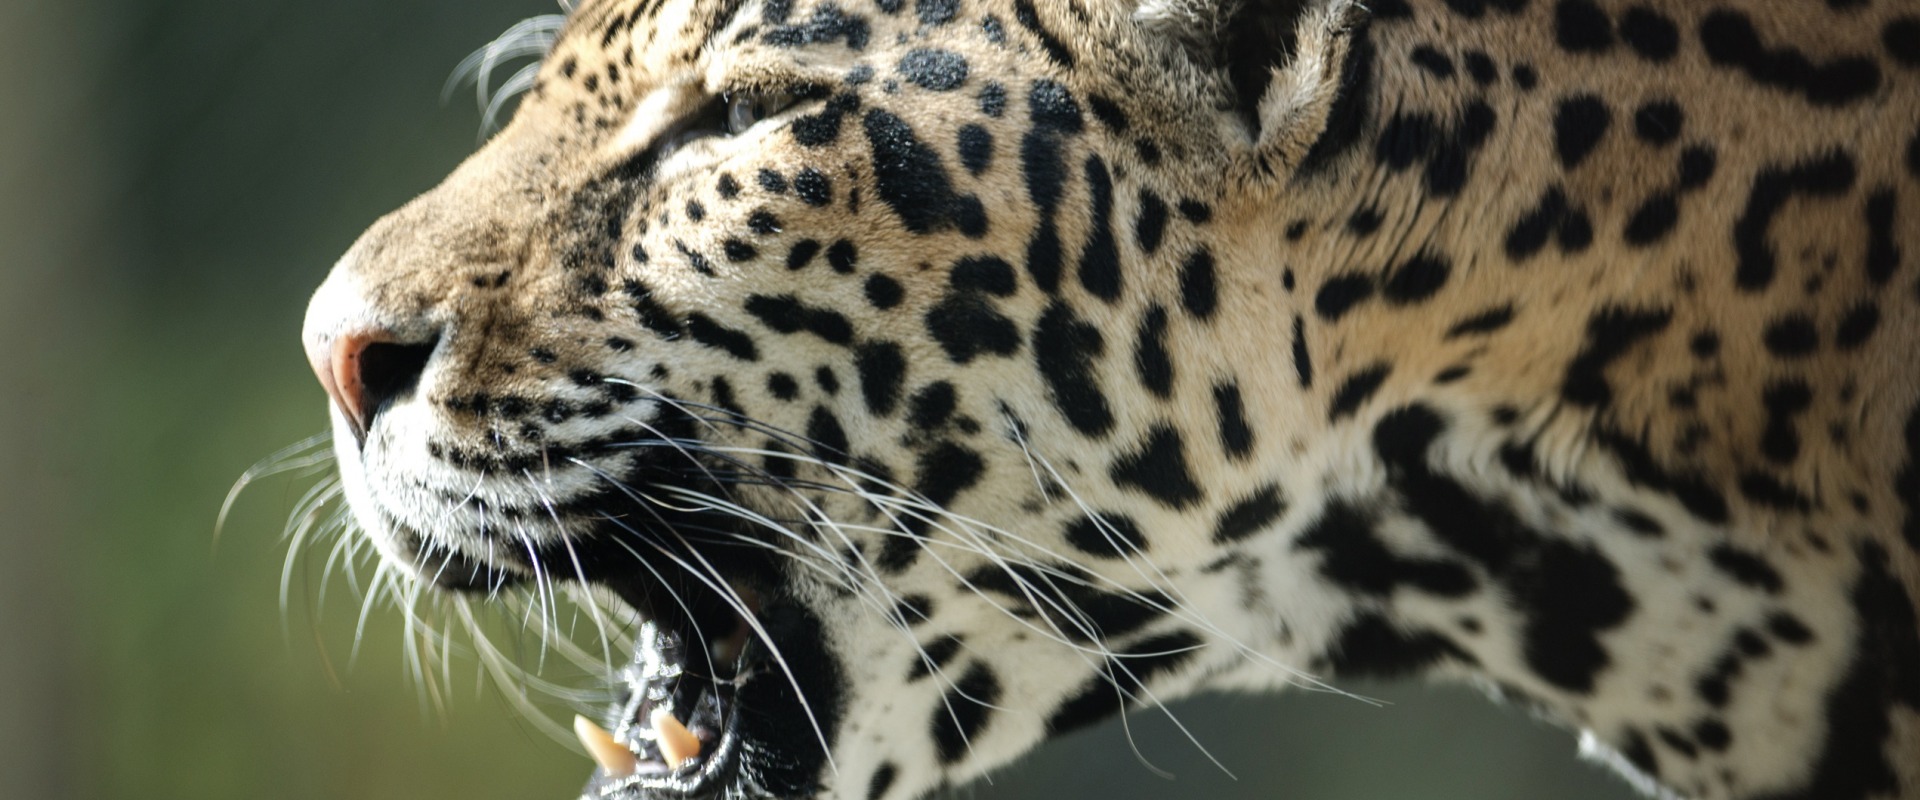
column 528, row 38
column 746, row 615
column 300, row 458
column 367, row 601
column 1034, row 595
column 890, row 506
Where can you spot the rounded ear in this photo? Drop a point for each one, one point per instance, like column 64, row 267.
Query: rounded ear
column 1299, row 70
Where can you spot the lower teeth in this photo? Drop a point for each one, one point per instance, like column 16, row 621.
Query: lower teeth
column 677, row 744
column 613, row 757
column 672, row 714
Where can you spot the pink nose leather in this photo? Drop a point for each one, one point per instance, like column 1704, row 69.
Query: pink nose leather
column 339, row 364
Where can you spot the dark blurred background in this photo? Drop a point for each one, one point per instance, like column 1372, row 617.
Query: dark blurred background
column 175, row 177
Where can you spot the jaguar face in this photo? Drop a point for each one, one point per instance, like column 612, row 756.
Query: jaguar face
column 743, row 318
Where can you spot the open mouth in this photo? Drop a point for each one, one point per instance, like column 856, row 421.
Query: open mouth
column 731, row 690
column 675, row 734
column 730, row 699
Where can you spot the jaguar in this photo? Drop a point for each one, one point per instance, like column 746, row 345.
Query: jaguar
column 931, row 378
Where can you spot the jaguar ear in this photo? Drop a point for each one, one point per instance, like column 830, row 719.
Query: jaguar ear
column 1287, row 63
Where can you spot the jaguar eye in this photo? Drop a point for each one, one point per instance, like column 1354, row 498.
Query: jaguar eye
column 746, row 108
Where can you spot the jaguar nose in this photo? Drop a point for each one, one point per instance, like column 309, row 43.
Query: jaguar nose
column 365, row 371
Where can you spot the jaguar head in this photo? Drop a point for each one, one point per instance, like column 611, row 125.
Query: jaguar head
column 795, row 325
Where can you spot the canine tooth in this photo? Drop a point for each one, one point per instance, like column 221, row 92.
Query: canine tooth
column 677, row 744
column 613, row 757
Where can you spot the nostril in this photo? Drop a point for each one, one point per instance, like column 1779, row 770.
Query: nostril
column 370, row 372
column 389, row 370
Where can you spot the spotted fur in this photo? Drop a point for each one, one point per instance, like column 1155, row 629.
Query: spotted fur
column 1042, row 360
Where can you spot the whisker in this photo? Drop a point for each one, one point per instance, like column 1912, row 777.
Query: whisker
column 528, row 38
column 304, row 457
column 732, row 598
column 304, row 521
column 1045, row 598
column 366, row 607
column 889, row 505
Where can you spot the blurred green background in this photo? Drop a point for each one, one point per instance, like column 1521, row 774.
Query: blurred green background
column 175, row 177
